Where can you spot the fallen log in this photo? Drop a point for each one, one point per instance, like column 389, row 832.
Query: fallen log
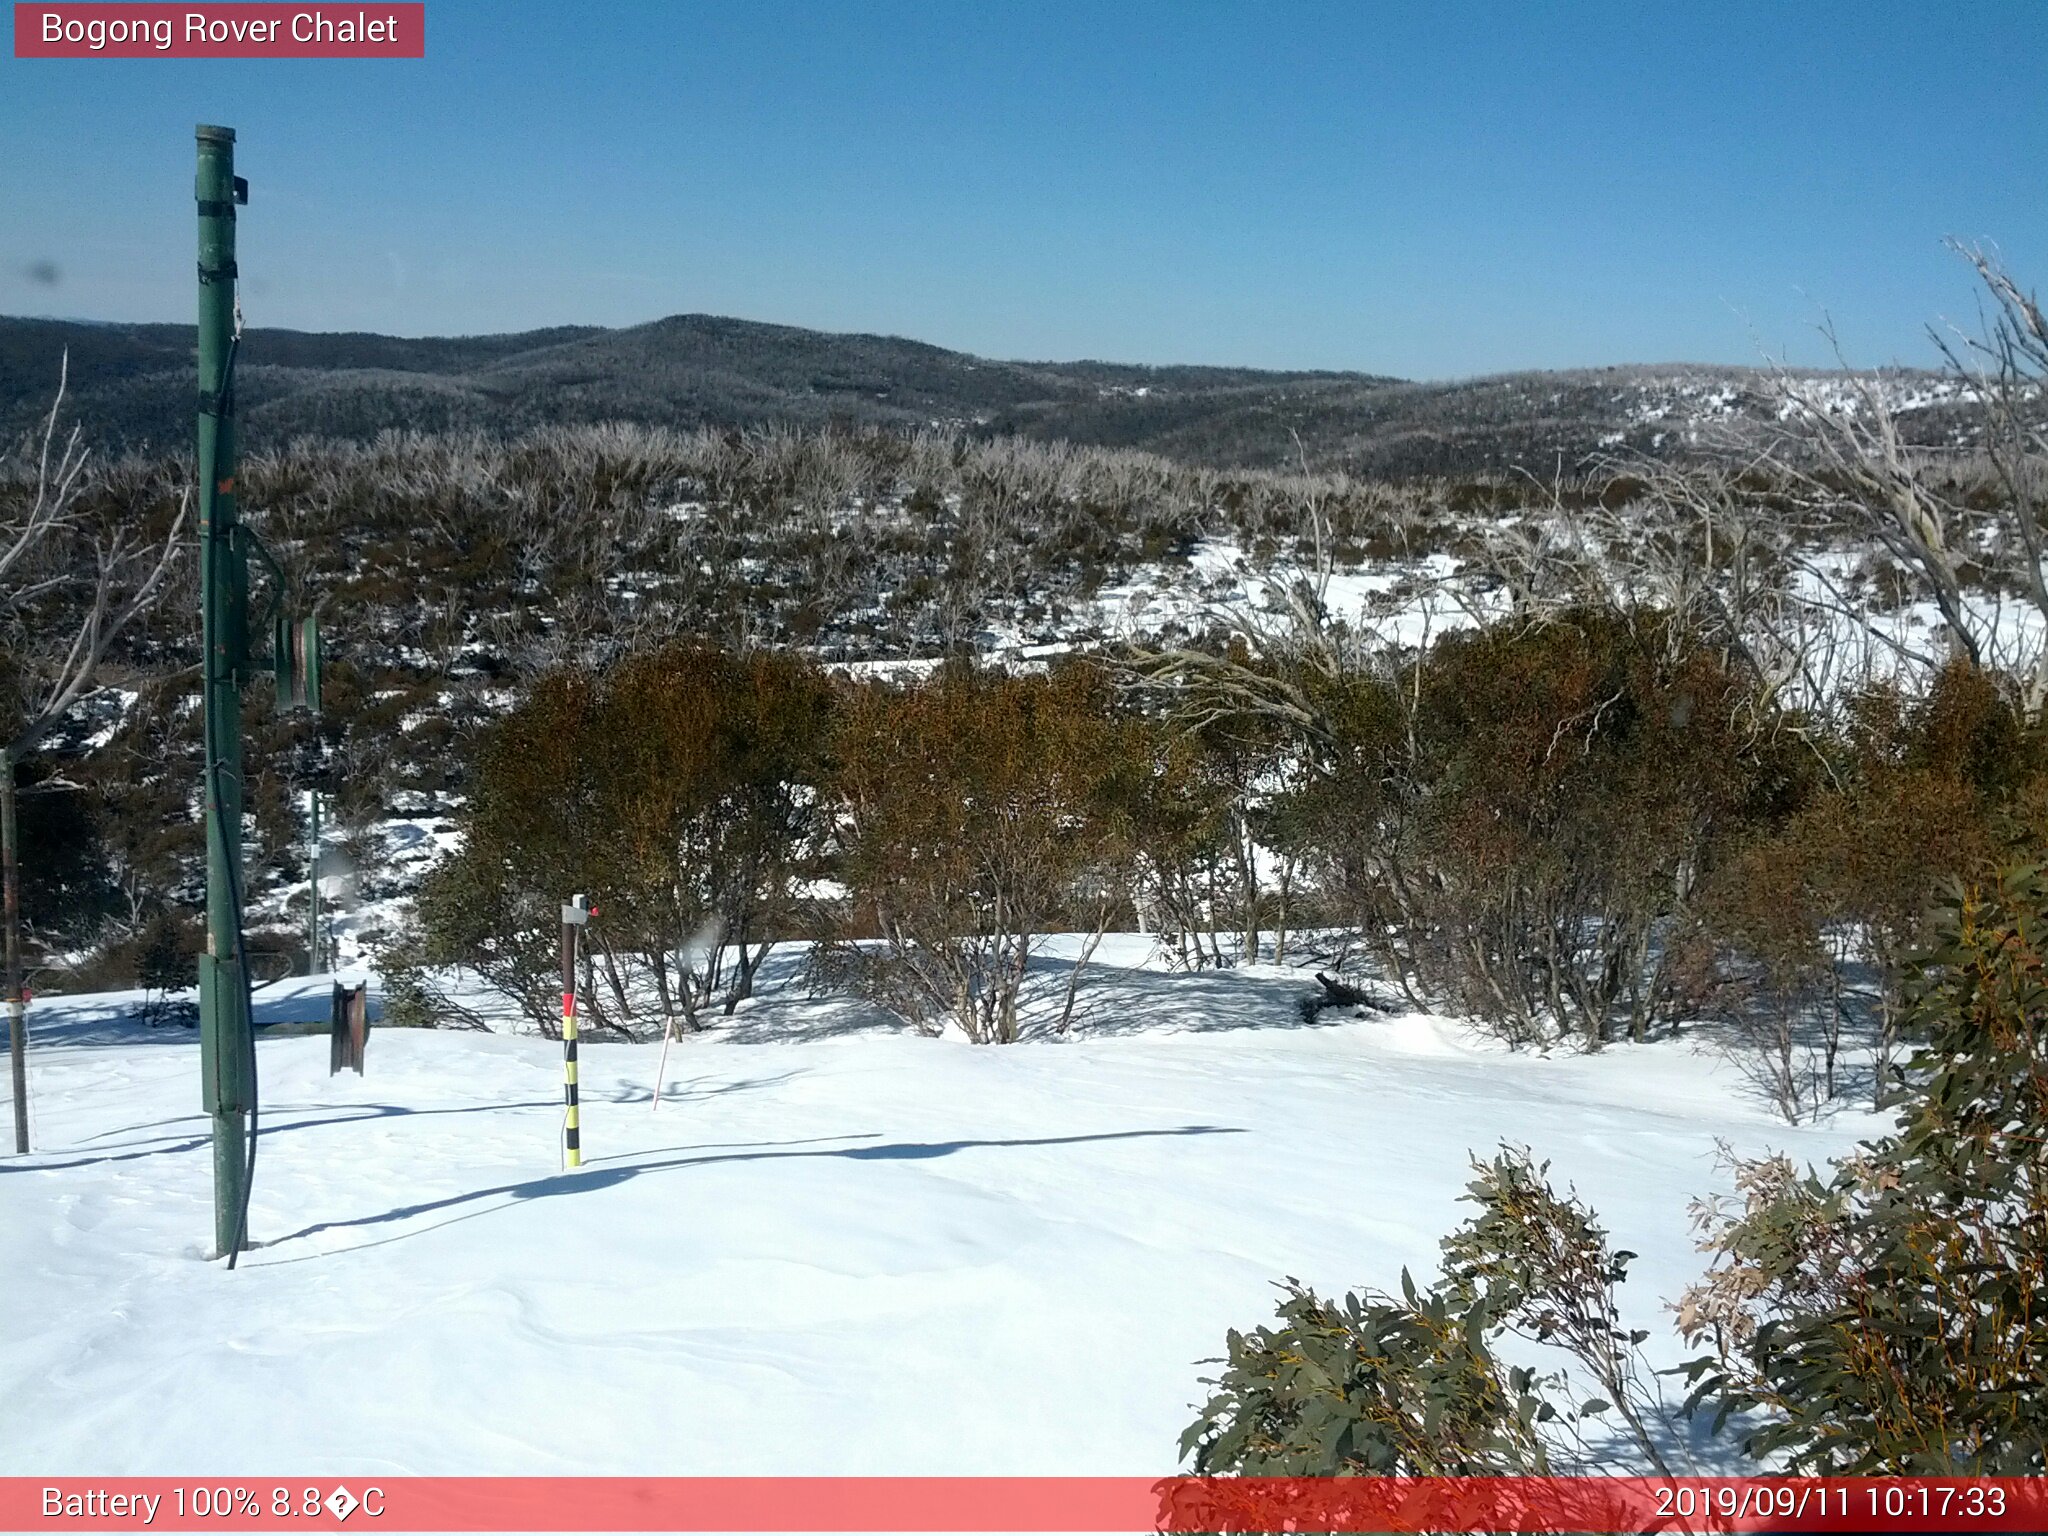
column 1339, row 994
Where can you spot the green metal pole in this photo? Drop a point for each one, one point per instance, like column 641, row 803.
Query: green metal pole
column 223, row 595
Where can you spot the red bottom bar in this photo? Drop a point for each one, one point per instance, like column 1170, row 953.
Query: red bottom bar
column 1019, row 1504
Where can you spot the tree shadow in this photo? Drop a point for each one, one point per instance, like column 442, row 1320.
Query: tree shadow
column 1793, row 1069
column 83, row 1020
column 1115, row 998
column 158, row 1146
column 693, row 1090
column 595, row 1176
column 789, row 1017
column 720, row 1146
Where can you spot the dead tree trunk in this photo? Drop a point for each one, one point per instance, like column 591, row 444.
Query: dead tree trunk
column 17, row 1020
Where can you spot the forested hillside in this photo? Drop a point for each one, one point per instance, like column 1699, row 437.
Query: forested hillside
column 132, row 388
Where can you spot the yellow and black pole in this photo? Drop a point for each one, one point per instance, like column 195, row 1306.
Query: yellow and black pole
column 574, row 915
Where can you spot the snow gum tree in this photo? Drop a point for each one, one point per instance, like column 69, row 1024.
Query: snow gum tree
column 1517, row 819
column 680, row 789
column 73, row 577
column 707, row 770
column 973, row 809
column 1805, row 934
column 1176, row 812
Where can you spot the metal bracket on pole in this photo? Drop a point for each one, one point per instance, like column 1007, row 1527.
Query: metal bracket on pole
column 349, row 1029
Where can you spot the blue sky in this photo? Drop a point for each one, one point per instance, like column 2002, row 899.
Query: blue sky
column 1434, row 190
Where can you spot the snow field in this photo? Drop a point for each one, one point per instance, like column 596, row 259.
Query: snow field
column 834, row 1248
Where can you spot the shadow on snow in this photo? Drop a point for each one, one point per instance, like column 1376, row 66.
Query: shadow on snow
column 158, row 1146
column 597, row 1176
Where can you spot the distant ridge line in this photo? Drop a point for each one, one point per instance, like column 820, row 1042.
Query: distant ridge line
column 131, row 387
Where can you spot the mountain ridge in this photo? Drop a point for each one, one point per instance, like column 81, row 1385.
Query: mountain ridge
column 131, row 386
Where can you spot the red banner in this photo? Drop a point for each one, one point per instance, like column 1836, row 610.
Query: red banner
column 1015, row 1504
column 242, row 31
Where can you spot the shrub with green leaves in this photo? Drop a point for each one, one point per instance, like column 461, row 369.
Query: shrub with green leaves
column 1539, row 1265
column 678, row 788
column 1374, row 1386
column 1413, row 1386
column 1891, row 1317
column 1887, row 1319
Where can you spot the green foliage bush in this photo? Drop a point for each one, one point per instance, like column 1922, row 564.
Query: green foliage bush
column 1372, row 1386
column 975, row 818
column 1889, row 1318
column 1413, row 1386
column 1518, row 817
column 1915, row 792
column 1883, row 1320
column 679, row 787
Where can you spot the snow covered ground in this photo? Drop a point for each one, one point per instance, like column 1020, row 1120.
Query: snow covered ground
column 833, row 1248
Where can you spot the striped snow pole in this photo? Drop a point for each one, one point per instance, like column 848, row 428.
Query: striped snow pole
column 572, row 1130
column 574, row 916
